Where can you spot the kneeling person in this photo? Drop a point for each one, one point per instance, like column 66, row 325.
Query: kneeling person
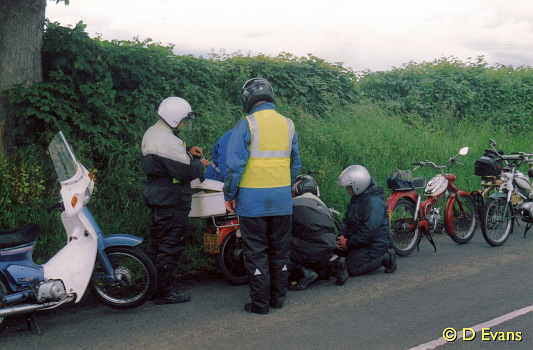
column 365, row 229
column 313, row 236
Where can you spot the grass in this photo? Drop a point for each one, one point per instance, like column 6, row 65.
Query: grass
column 363, row 134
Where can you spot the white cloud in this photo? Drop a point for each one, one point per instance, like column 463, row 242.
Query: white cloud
column 363, row 35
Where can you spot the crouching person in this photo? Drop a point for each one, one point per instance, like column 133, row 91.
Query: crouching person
column 364, row 235
column 313, row 237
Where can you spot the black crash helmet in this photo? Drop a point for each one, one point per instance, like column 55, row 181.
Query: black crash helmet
column 303, row 184
column 255, row 90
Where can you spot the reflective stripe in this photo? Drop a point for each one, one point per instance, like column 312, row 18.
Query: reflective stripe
column 256, row 153
column 269, row 163
column 213, row 165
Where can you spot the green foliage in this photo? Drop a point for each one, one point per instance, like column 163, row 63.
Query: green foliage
column 103, row 95
column 21, row 182
column 458, row 89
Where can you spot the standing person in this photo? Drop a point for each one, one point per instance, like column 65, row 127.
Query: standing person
column 169, row 168
column 365, row 228
column 313, row 237
column 216, row 170
column 262, row 162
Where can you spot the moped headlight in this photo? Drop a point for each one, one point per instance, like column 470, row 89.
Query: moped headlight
column 504, row 177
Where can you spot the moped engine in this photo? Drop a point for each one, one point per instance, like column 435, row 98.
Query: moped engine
column 51, row 290
column 526, row 208
column 433, row 218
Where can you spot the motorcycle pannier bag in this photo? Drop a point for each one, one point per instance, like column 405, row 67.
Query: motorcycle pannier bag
column 400, row 180
column 490, row 164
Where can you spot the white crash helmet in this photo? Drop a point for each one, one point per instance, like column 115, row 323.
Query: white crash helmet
column 356, row 176
column 173, row 110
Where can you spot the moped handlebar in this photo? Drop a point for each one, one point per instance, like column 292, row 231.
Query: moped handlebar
column 523, row 154
column 451, row 161
column 518, row 158
column 435, row 166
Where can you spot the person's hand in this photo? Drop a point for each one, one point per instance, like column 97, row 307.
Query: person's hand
column 341, row 243
column 196, row 151
column 205, row 162
column 230, row 206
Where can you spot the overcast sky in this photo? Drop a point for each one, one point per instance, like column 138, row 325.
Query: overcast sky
column 374, row 35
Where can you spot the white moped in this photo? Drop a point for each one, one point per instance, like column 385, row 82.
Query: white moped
column 119, row 274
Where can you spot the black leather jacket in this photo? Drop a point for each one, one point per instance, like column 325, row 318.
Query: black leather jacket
column 313, row 232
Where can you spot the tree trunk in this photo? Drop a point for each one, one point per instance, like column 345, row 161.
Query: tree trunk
column 21, row 39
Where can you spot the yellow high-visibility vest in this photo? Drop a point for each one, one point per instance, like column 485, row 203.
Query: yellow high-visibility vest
column 269, row 164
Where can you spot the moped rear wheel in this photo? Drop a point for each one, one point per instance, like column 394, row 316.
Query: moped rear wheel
column 135, row 278
column 230, row 259
column 497, row 222
column 460, row 220
column 404, row 234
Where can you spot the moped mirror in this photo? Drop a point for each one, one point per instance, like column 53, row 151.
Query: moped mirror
column 463, row 151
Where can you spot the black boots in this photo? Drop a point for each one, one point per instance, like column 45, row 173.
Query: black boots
column 249, row 307
column 389, row 261
column 340, row 270
column 172, row 297
column 166, row 293
column 306, row 277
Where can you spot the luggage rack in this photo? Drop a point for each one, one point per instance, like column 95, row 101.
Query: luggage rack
column 224, row 220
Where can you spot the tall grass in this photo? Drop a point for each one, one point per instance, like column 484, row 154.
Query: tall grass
column 379, row 139
column 383, row 141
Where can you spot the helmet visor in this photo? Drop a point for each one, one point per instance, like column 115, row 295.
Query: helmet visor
column 188, row 121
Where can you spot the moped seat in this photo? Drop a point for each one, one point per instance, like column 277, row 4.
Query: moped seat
column 21, row 235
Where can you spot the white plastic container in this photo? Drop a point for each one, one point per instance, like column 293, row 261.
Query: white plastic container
column 208, row 198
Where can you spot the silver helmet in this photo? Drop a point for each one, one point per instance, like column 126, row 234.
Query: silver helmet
column 356, row 176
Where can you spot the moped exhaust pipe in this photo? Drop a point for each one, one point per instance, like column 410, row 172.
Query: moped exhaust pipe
column 28, row 308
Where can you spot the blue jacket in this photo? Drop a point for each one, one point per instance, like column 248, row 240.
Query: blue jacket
column 256, row 202
column 216, row 170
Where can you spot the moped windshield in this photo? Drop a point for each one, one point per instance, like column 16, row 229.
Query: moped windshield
column 65, row 162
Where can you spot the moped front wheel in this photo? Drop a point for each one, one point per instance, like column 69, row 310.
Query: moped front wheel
column 460, row 219
column 3, row 292
column 230, row 259
column 497, row 221
column 404, row 232
column 135, row 278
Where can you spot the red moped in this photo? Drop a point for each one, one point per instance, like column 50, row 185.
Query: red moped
column 410, row 217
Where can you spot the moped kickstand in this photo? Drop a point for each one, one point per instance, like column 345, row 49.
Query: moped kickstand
column 430, row 239
column 31, row 320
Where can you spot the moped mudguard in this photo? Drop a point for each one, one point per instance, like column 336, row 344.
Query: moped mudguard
column 449, row 210
column 395, row 196
column 498, row 195
column 225, row 230
column 121, row 240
